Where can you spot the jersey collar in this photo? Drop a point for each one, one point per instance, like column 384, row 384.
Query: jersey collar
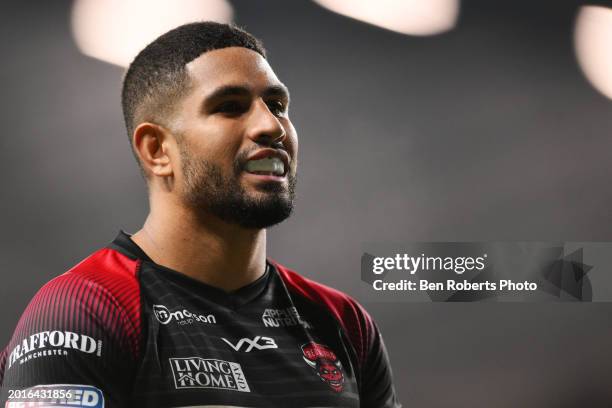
column 124, row 244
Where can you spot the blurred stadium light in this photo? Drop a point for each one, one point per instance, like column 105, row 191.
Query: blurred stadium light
column 593, row 42
column 414, row 17
column 116, row 30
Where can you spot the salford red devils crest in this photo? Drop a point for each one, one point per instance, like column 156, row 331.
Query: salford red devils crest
column 325, row 363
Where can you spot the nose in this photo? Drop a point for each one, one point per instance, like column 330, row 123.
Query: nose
column 265, row 128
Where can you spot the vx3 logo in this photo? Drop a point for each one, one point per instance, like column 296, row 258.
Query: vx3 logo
column 258, row 343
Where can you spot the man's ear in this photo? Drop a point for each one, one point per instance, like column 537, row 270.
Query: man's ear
column 152, row 144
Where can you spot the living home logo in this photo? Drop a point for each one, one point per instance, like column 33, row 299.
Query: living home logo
column 283, row 318
column 196, row 372
column 182, row 317
column 53, row 343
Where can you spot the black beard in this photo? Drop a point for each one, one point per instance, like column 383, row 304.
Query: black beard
column 209, row 192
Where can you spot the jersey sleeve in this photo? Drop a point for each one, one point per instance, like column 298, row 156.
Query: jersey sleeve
column 376, row 376
column 75, row 344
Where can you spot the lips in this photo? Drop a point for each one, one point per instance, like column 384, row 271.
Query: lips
column 268, row 162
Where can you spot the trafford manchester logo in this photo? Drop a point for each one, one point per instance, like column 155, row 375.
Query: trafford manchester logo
column 325, row 363
column 196, row 372
column 53, row 343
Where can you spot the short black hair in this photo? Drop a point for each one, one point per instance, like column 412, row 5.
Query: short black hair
column 157, row 78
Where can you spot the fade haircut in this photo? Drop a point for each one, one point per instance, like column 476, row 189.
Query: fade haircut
column 157, row 79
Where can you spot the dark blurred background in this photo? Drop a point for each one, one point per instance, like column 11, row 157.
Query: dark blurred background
column 489, row 131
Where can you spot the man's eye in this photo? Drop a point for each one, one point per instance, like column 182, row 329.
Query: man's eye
column 277, row 108
column 231, row 107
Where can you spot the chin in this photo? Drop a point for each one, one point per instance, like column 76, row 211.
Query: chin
column 267, row 188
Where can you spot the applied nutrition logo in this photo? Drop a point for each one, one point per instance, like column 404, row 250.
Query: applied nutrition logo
column 196, row 372
column 181, row 316
column 283, row 318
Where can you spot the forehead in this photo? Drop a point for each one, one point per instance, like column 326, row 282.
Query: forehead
column 229, row 66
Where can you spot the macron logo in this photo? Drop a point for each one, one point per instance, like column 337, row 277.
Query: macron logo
column 182, row 317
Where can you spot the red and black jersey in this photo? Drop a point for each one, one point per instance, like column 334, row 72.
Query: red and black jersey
column 118, row 330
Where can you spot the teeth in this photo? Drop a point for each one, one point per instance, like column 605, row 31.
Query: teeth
column 271, row 165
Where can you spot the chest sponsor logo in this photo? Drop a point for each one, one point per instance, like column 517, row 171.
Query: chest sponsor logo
column 53, row 343
column 181, row 316
column 283, row 318
column 196, row 372
column 57, row 395
column 325, row 363
column 257, row 343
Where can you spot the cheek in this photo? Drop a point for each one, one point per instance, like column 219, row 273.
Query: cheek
column 215, row 142
column 291, row 142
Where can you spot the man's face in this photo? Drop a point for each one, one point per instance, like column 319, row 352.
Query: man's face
column 238, row 148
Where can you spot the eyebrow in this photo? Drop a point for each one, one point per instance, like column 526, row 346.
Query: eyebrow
column 243, row 90
column 277, row 90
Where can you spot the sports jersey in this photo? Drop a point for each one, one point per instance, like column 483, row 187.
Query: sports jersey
column 119, row 330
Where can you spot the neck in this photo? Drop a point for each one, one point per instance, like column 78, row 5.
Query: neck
column 214, row 252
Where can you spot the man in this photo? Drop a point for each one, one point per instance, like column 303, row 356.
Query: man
column 188, row 311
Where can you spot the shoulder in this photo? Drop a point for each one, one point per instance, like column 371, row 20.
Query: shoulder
column 107, row 276
column 80, row 326
column 100, row 295
column 352, row 317
column 336, row 301
column 105, row 270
